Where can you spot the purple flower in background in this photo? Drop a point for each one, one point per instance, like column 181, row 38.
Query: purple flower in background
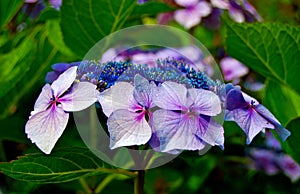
column 251, row 116
column 193, row 12
column 264, row 160
column 50, row 116
column 289, row 167
column 184, row 122
column 127, row 108
column 232, row 69
column 56, row 3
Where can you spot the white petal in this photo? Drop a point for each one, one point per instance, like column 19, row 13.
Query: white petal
column 187, row 18
column 45, row 128
column 250, row 99
column 64, row 81
column 43, row 100
column 83, row 95
column 119, row 96
column 203, row 9
column 222, row 4
column 128, row 128
column 175, row 132
column 186, row 3
column 171, row 96
column 204, row 102
column 236, row 15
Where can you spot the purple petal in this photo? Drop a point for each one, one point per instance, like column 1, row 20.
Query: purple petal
column 235, row 99
column 186, row 3
column 289, row 167
column 171, row 96
column 232, row 68
column 83, row 95
column 128, row 128
column 119, row 96
column 165, row 18
column 250, row 100
column 204, row 102
column 145, row 58
column 250, row 121
column 51, row 77
column 203, row 8
column 43, row 101
column 266, row 114
column 210, row 132
column 187, row 18
column 222, row 4
column 60, row 67
column 236, row 14
column 175, row 132
column 45, row 128
column 64, row 81
column 143, row 91
column 56, row 3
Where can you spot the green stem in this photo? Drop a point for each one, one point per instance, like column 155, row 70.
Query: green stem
column 139, row 182
column 118, row 171
column 85, row 186
column 104, row 183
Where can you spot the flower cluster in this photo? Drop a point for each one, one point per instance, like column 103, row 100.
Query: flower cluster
column 169, row 105
column 191, row 12
column 272, row 160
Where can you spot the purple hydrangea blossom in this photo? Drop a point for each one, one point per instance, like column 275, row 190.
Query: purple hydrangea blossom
column 50, row 116
column 193, row 12
column 185, row 120
column 289, row 166
column 56, row 3
column 58, row 69
column 127, row 108
column 233, row 69
column 251, row 116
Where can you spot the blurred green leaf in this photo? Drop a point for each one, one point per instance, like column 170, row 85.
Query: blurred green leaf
column 8, row 10
column 13, row 130
column 86, row 22
column 291, row 145
column 282, row 102
column 61, row 166
column 270, row 49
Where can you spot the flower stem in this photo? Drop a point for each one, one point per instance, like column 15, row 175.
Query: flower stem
column 139, row 182
column 104, row 183
column 85, row 186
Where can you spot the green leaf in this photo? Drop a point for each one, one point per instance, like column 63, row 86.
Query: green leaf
column 86, row 22
column 291, row 146
column 282, row 102
column 63, row 165
column 13, row 130
column 8, row 10
column 270, row 49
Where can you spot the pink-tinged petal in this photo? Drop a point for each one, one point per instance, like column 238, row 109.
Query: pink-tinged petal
column 171, row 96
column 251, row 122
column 222, row 4
column 236, row 15
column 187, row 18
column 64, row 81
column 232, row 68
column 186, row 3
column 175, row 132
column 83, row 95
column 143, row 91
column 165, row 18
column 210, row 132
column 203, row 9
column 45, row 128
column 44, row 99
column 204, row 102
column 119, row 96
column 145, row 58
column 128, row 128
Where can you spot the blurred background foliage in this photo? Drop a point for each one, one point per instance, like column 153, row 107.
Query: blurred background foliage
column 33, row 37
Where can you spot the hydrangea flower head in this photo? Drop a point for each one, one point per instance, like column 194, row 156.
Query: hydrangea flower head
column 184, row 121
column 251, row 116
column 50, row 116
